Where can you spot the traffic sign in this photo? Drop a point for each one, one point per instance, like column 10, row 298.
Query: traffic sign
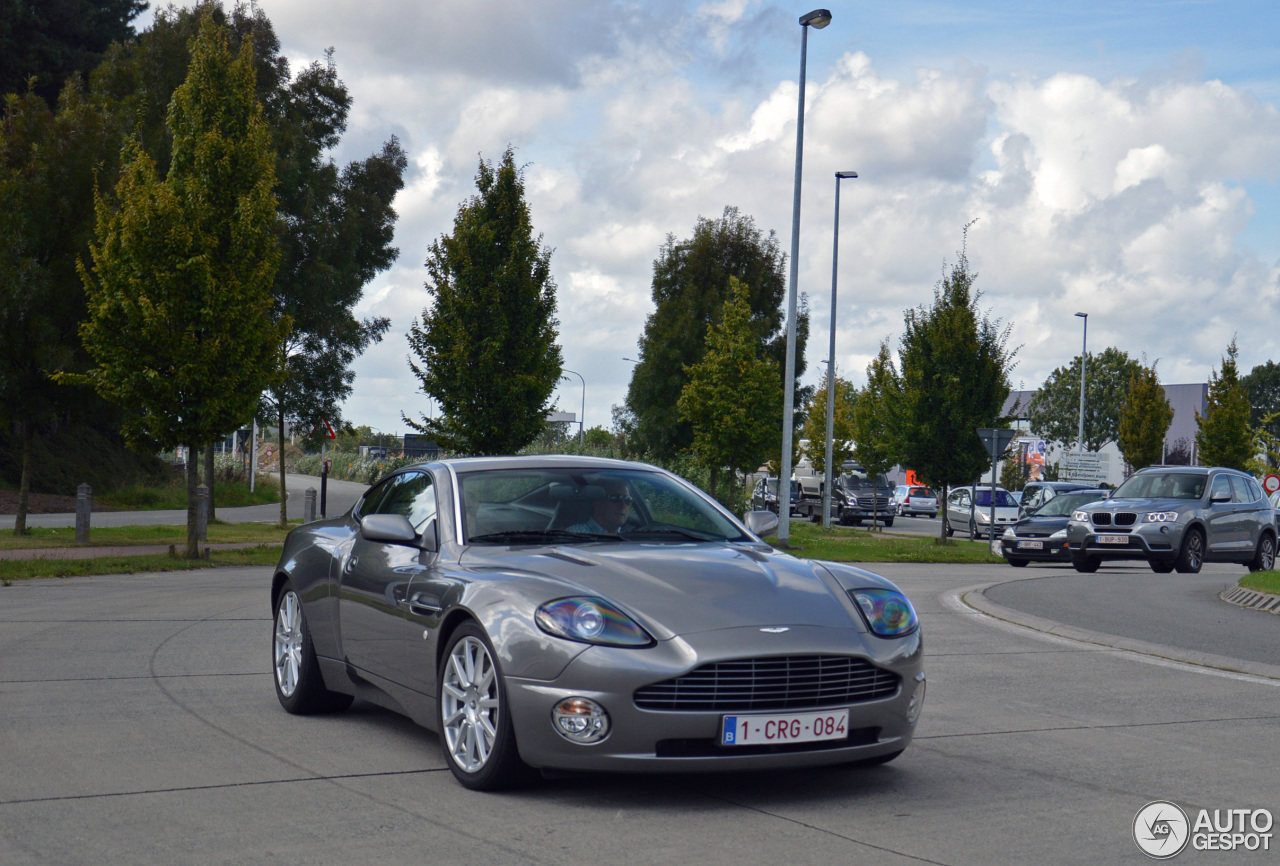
column 1271, row 483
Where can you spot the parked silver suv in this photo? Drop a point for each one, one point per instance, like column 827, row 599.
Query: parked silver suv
column 1177, row 517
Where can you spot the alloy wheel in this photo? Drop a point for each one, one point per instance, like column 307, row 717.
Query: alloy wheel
column 470, row 705
column 288, row 643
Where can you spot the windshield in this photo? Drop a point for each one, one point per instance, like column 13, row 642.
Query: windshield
column 773, row 486
column 1162, row 485
column 856, row 478
column 559, row 506
column 1003, row 499
column 1063, row 504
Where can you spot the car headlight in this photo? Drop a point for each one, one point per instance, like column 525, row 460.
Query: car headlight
column 1059, row 535
column 1009, row 534
column 982, row 516
column 887, row 611
column 591, row 620
column 1162, row 517
column 1080, row 516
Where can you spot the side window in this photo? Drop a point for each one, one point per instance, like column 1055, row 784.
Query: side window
column 1221, row 487
column 411, row 495
column 1255, row 492
column 369, row 505
column 1241, row 489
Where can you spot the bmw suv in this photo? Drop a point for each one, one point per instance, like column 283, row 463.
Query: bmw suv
column 1177, row 517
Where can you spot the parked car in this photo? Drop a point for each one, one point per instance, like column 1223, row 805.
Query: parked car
column 970, row 508
column 912, row 499
column 578, row 613
column 1041, row 534
column 1177, row 518
column 765, row 495
column 1037, row 493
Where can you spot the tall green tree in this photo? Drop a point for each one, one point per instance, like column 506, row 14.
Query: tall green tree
column 47, row 164
column 1145, row 417
column 52, row 40
column 1224, row 437
column 180, row 292
column 955, row 379
column 1054, row 411
column 1263, row 385
column 690, row 287
column 733, row 400
column 877, row 416
column 814, row 430
column 486, row 348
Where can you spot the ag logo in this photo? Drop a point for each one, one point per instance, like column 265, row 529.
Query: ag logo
column 1161, row 829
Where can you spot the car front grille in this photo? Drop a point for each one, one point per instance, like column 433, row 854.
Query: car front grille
column 768, row 684
column 1119, row 518
column 867, row 502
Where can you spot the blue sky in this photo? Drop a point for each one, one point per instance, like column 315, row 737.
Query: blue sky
column 1121, row 158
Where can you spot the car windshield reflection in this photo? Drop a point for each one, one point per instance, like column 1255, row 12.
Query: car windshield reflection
column 1064, row 504
column 1162, row 485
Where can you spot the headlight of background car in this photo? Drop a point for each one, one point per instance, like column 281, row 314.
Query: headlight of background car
column 1059, row 535
column 887, row 612
column 1009, row 534
column 591, row 620
column 983, row 517
column 1080, row 517
column 1162, row 517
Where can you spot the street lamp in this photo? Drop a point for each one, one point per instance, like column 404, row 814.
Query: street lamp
column 1083, row 350
column 831, row 356
column 581, row 417
column 818, row 19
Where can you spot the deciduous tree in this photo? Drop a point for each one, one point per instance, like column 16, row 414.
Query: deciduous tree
column 814, row 431
column 486, row 349
column 1145, row 417
column 1054, row 411
column 733, row 400
column 180, row 292
column 877, row 417
column 1223, row 437
column 955, row 378
column 690, row 287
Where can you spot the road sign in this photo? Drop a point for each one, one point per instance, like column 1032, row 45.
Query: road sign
column 328, row 429
column 1271, row 483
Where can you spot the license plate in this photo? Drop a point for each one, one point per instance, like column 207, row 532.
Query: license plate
column 1031, row 545
column 770, row 730
column 1113, row 539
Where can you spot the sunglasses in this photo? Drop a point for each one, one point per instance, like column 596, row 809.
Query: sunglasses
column 620, row 497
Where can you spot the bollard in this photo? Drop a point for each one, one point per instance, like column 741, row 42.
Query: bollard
column 309, row 505
column 202, row 513
column 84, row 507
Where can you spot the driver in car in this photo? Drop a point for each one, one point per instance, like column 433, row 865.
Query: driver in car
column 610, row 512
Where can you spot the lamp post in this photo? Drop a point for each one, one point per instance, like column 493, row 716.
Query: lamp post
column 831, row 357
column 581, row 417
column 1083, row 356
column 817, row 19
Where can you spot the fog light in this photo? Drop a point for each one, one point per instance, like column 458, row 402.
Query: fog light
column 580, row 720
column 917, row 701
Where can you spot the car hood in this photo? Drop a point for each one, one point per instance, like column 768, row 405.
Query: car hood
column 684, row 588
column 1033, row 523
column 1140, row 505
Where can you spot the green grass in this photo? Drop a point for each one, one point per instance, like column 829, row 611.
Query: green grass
column 1262, row 581
column 226, row 494
column 115, row 536
column 27, row 569
column 860, row 545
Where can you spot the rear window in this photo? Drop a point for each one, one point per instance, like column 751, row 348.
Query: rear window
column 920, row 491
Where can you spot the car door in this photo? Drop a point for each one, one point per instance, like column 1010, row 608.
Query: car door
column 1247, row 515
column 1222, row 517
column 374, row 582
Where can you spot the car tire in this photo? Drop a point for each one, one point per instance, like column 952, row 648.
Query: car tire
column 1162, row 566
column 973, row 529
column 478, row 742
column 299, row 683
column 1018, row 563
column 1191, row 556
column 1086, row 564
column 888, row 522
column 1264, row 559
column 946, row 527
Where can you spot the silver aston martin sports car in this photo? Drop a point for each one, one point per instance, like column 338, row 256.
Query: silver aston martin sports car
column 577, row 613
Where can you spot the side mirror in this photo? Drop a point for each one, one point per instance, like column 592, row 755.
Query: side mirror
column 1220, row 497
column 762, row 523
column 391, row 528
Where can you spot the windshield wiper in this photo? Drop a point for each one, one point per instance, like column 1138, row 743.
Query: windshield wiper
column 538, row 536
column 656, row 532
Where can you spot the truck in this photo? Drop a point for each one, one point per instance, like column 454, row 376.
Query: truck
column 855, row 496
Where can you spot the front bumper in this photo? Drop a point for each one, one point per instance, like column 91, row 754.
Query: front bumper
column 1054, row 550
column 1149, row 541
column 687, row 741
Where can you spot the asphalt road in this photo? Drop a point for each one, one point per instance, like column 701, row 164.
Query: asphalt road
column 138, row 725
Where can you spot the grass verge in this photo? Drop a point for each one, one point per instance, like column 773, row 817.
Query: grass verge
column 226, row 494
column 1262, row 581
column 860, row 545
column 116, row 536
column 27, row 569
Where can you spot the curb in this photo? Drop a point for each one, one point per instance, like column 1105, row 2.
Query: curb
column 974, row 598
column 1252, row 599
column 28, row 553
